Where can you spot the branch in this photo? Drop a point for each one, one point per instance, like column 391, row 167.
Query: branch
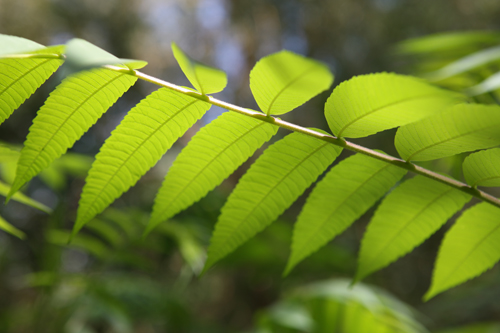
column 328, row 138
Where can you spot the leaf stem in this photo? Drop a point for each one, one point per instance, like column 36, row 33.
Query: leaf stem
column 325, row 137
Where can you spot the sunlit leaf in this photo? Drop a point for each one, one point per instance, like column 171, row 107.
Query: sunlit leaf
column 406, row 217
column 205, row 79
column 461, row 128
column 469, row 248
column 347, row 191
column 21, row 77
column 483, row 168
column 70, row 110
column 282, row 81
column 282, row 173
column 214, row 153
column 367, row 104
column 7, row 227
column 141, row 139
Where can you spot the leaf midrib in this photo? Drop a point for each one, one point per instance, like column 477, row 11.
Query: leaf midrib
column 23, row 75
column 64, row 122
column 91, row 205
column 383, row 107
column 301, row 75
column 476, row 183
column 272, row 190
column 452, row 272
column 206, row 166
column 450, row 139
column 342, row 203
column 429, row 204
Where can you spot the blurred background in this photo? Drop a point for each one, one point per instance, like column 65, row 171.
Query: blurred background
column 108, row 280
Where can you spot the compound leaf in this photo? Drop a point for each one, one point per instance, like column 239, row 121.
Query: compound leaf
column 406, row 217
column 214, row 153
column 282, row 173
column 367, row 104
column 347, row 191
column 141, row 139
column 461, row 128
column 70, row 110
column 282, row 81
column 483, row 168
column 469, row 248
column 205, row 79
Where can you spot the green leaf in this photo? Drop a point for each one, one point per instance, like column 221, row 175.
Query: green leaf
column 15, row 45
column 282, row 173
column 205, row 79
column 20, row 77
column 469, row 248
column 7, row 227
column 144, row 135
column 70, row 110
column 19, row 197
column 347, row 191
column 406, row 217
column 367, row 104
column 82, row 55
column 284, row 80
column 214, row 153
column 483, row 168
column 462, row 128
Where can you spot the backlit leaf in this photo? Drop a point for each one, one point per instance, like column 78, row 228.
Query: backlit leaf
column 282, row 81
column 141, row 139
column 483, row 168
column 469, row 248
column 214, row 153
column 282, row 173
column 20, row 77
column 461, row 128
column 367, row 104
column 407, row 216
column 205, row 79
column 347, row 191
column 70, row 110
